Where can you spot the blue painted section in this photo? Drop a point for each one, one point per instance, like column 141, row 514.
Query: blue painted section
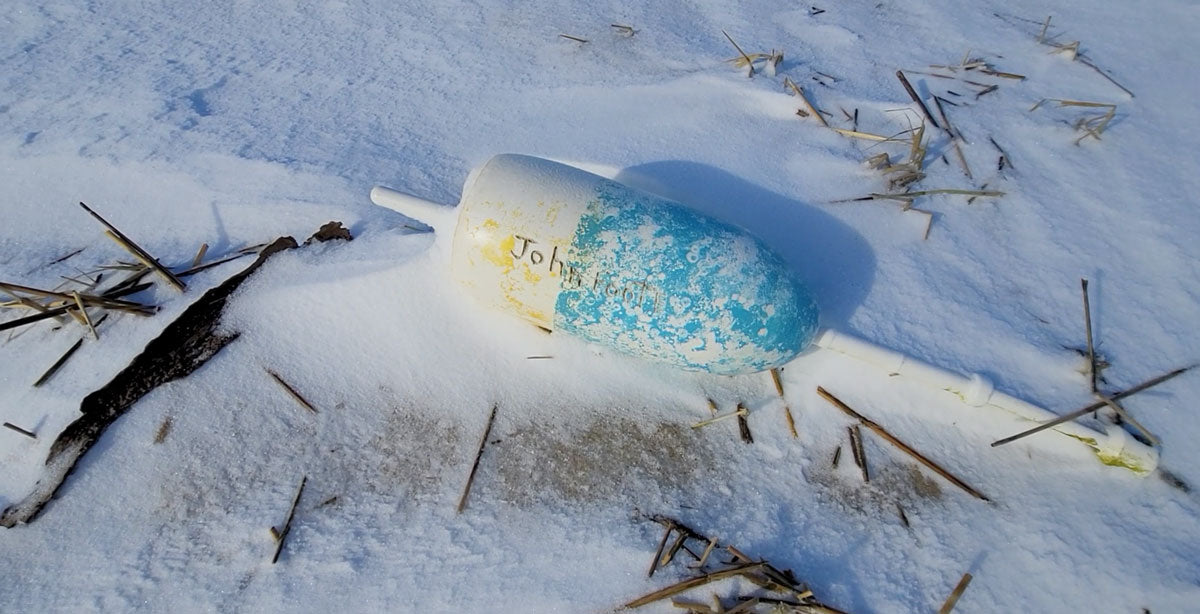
column 655, row 279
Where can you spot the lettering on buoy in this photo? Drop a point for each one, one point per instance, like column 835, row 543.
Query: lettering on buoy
column 631, row 292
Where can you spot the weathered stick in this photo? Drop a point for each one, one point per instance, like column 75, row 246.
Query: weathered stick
column 1094, row 406
column 462, row 501
column 137, row 251
column 291, row 391
column 917, row 99
column 879, row 430
column 955, row 594
column 281, row 534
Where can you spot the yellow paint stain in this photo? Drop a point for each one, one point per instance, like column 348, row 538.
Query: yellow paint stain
column 499, row 252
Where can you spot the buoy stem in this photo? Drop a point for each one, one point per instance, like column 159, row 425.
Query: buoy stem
column 432, row 214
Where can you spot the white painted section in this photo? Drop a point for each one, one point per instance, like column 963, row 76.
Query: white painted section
column 977, row 391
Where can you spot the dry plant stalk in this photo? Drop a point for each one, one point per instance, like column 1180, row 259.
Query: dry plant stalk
column 879, row 430
column 962, row 584
column 136, row 250
column 787, row 411
column 58, row 364
column 462, row 501
column 13, row 427
column 749, row 63
column 1090, row 125
column 690, row 583
column 863, row 135
column 917, row 99
column 200, row 255
column 291, row 392
column 662, row 543
column 743, row 425
column 787, row 82
column 574, row 38
column 1087, row 325
column 741, row 411
column 83, row 314
column 623, row 29
column 857, row 451
column 281, row 534
column 955, row 137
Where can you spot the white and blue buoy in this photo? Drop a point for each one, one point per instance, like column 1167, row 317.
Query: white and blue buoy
column 617, row 266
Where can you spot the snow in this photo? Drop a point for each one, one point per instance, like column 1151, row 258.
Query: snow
column 236, row 123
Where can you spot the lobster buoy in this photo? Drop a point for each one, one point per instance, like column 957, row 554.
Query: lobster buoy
column 571, row 251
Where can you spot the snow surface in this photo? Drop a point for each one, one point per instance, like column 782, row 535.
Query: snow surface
column 237, row 122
